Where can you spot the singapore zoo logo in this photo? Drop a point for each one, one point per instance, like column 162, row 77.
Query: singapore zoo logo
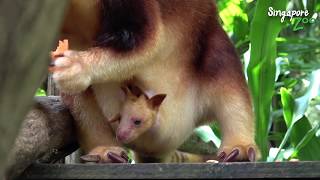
column 297, row 18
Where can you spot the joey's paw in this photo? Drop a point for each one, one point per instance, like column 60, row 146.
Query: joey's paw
column 69, row 72
column 111, row 154
column 239, row 153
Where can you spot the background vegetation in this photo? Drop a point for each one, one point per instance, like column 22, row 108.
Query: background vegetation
column 282, row 67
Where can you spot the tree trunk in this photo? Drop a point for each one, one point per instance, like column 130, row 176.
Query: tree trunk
column 47, row 128
column 28, row 32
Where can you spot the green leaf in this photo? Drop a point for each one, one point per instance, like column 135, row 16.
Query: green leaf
column 261, row 70
column 297, row 45
column 228, row 10
column 306, row 143
column 288, row 106
column 276, row 136
column 299, row 129
column 240, row 28
column 40, row 92
column 313, row 90
column 318, row 134
column 273, row 152
column 206, row 134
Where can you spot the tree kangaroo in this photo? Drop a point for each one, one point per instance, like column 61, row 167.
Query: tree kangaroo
column 174, row 47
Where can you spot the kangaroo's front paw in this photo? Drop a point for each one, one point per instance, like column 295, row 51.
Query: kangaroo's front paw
column 239, row 153
column 69, row 73
column 106, row 154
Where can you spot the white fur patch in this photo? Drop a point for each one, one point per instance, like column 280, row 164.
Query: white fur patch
column 62, row 62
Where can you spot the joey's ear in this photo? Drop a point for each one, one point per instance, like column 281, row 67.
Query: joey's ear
column 135, row 90
column 115, row 118
column 125, row 90
column 156, row 100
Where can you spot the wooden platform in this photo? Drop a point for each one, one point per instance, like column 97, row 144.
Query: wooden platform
column 164, row 171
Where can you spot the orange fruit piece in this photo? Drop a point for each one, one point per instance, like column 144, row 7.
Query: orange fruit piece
column 62, row 47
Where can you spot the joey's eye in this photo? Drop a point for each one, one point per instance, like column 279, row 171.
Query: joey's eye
column 137, row 122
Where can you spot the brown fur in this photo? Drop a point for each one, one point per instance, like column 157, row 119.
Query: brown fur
column 178, row 49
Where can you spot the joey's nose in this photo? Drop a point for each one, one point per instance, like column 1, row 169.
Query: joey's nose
column 123, row 136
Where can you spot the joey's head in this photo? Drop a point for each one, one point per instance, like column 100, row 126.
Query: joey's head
column 138, row 115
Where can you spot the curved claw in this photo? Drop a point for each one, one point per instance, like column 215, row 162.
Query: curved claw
column 221, row 156
column 124, row 156
column 251, row 154
column 115, row 158
column 91, row 158
column 232, row 156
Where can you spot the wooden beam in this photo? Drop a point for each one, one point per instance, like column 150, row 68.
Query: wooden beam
column 166, row 171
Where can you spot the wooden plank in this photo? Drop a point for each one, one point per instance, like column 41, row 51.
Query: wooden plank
column 52, row 90
column 166, row 171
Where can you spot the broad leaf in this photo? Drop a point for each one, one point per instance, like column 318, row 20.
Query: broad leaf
column 261, row 70
column 206, row 134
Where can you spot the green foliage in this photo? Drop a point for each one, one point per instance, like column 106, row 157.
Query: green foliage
column 228, row 9
column 40, row 92
column 262, row 67
column 303, row 141
column 207, row 135
column 283, row 73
